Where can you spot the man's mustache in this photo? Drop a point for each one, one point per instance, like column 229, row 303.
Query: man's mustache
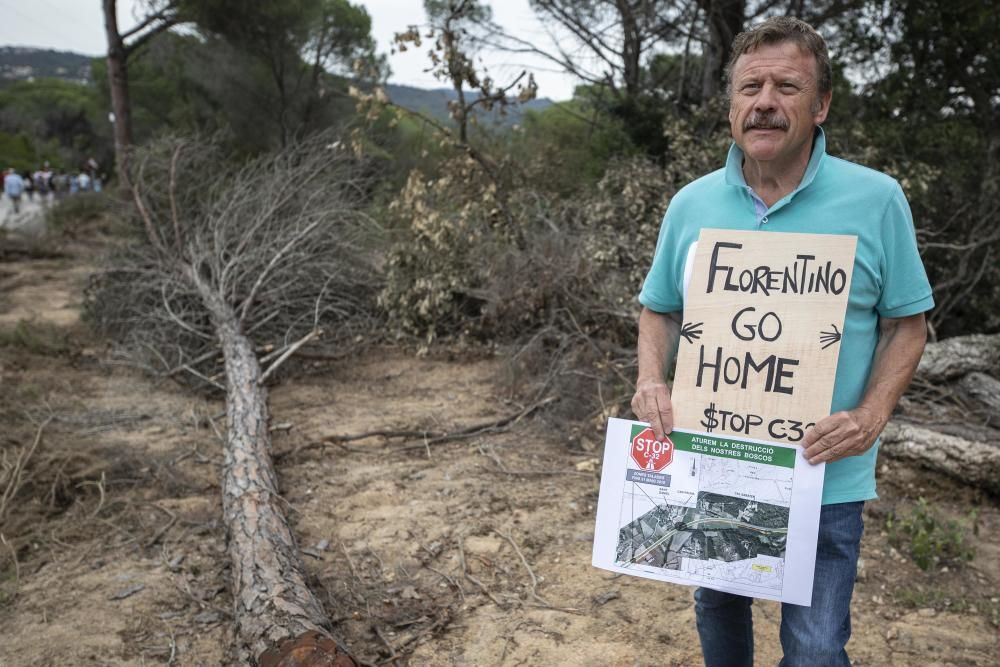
column 765, row 121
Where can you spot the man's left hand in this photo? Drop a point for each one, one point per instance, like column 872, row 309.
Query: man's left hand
column 842, row 434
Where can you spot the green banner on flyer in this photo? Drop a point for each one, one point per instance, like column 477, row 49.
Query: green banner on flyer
column 741, row 450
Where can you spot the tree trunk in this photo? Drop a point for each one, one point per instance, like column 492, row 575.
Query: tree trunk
column 724, row 19
column 954, row 357
column 970, row 462
column 118, row 81
column 271, row 599
column 984, row 390
column 959, row 446
column 631, row 50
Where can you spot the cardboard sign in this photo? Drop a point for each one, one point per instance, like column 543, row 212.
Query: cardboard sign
column 728, row 501
column 763, row 318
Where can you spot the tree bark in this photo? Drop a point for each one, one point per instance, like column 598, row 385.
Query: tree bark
column 954, row 357
column 962, row 448
column 724, row 19
column 631, row 50
column 984, row 390
column 272, row 601
column 120, row 46
column 970, row 462
column 118, row 81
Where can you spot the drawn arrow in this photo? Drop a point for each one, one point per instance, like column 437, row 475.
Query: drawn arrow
column 829, row 337
column 691, row 332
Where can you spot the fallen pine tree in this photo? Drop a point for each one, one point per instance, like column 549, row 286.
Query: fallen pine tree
column 231, row 263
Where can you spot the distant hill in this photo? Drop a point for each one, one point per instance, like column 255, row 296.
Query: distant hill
column 434, row 102
column 19, row 63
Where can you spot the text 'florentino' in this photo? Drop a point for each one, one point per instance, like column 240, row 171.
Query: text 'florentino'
column 804, row 276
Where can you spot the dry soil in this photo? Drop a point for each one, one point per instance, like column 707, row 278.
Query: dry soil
column 471, row 552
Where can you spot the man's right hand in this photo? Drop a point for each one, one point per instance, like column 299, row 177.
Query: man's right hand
column 651, row 403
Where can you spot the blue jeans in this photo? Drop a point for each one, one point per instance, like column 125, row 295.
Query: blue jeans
column 810, row 636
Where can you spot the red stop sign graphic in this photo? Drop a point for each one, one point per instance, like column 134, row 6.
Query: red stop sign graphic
column 651, row 453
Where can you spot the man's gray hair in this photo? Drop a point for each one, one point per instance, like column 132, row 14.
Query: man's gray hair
column 777, row 30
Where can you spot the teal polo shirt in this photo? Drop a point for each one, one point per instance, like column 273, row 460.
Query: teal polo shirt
column 834, row 197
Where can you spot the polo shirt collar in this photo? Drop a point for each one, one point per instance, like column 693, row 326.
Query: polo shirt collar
column 734, row 164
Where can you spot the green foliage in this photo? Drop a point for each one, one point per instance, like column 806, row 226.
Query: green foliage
column 953, row 46
column 931, row 117
column 675, row 79
column 328, row 33
column 24, row 154
column 473, row 12
column 172, row 83
column 559, row 215
column 930, row 540
column 36, row 337
column 286, row 55
column 403, row 144
column 61, row 121
column 475, row 258
column 73, row 213
column 570, row 143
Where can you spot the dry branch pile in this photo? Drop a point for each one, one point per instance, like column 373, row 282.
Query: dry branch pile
column 280, row 240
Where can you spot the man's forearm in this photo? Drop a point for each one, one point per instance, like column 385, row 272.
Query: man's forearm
column 658, row 335
column 901, row 343
column 853, row 432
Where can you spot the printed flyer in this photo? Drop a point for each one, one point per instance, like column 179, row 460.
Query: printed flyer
column 727, row 500
column 705, row 510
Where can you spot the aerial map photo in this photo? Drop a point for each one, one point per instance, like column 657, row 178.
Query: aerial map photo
column 719, row 528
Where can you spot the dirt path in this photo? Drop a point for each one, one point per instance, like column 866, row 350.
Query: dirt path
column 29, row 219
column 474, row 552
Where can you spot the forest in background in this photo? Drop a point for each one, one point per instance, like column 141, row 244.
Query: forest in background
column 275, row 200
column 464, row 208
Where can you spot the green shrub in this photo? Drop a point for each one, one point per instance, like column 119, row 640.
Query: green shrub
column 78, row 210
column 466, row 263
column 36, row 337
column 929, row 539
column 568, row 145
column 501, row 259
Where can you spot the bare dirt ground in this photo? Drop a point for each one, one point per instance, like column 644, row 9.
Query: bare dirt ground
column 471, row 552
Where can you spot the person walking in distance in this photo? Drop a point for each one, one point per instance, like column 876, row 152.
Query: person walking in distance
column 29, row 185
column 13, row 187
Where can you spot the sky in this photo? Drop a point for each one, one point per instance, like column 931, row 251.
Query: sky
column 78, row 25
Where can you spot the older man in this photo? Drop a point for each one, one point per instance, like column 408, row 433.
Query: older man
column 778, row 177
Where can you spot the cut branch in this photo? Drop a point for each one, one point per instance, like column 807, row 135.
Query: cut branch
column 13, row 478
column 954, row 357
column 440, row 436
column 968, row 461
column 312, row 335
